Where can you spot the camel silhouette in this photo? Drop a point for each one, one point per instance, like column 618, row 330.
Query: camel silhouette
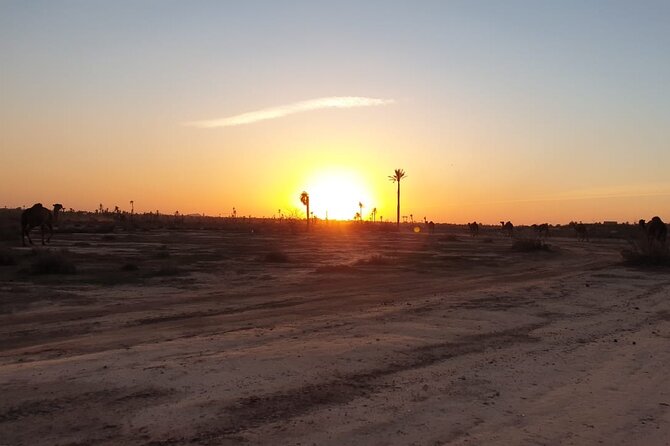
column 38, row 215
column 474, row 228
column 582, row 232
column 656, row 230
column 542, row 230
column 508, row 228
column 431, row 227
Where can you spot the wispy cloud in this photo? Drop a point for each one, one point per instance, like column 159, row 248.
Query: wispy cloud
column 290, row 109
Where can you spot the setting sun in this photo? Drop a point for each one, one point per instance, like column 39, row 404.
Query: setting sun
column 335, row 194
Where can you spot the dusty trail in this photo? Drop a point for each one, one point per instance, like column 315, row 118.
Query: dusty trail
column 520, row 348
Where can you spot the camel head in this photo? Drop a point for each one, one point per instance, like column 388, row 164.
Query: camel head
column 57, row 208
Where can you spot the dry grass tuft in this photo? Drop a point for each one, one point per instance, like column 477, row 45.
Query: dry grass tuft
column 530, row 245
column 276, row 257
column 7, row 257
column 451, row 238
column 642, row 252
column 376, row 259
column 52, row 262
column 167, row 270
column 335, row 269
column 130, row 267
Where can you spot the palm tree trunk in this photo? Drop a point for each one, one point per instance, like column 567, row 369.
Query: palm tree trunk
column 308, row 216
column 398, row 209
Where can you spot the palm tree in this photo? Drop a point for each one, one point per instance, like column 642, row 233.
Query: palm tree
column 374, row 215
column 398, row 175
column 304, row 199
column 360, row 206
column 132, row 207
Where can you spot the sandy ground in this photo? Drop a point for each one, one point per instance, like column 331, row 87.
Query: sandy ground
column 439, row 341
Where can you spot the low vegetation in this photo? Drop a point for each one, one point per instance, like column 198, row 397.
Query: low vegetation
column 530, row 245
column 52, row 262
column 276, row 257
column 7, row 257
column 376, row 259
column 643, row 252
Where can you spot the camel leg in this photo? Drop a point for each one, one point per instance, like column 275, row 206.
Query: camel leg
column 51, row 232
column 27, row 232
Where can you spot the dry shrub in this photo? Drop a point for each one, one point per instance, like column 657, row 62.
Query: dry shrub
column 376, row 259
column 130, row 267
column 276, row 257
column 10, row 230
column 163, row 252
column 644, row 252
column 167, row 269
column 451, row 238
column 530, row 245
column 7, row 257
column 52, row 262
column 335, row 269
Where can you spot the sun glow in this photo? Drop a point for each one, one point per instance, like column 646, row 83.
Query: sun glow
column 336, row 194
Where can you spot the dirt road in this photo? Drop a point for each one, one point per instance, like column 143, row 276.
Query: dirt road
column 357, row 339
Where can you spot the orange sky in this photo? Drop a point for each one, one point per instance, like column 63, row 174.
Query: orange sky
column 530, row 113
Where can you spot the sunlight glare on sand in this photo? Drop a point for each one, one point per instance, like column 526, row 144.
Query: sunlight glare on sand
column 337, row 193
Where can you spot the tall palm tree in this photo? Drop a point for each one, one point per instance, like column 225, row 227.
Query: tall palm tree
column 374, row 215
column 398, row 175
column 360, row 206
column 304, row 199
column 132, row 207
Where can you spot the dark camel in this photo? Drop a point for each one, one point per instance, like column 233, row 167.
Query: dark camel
column 40, row 216
column 431, row 227
column 582, row 232
column 542, row 230
column 508, row 228
column 656, row 230
column 474, row 228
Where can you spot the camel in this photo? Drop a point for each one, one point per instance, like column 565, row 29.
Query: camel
column 542, row 230
column 474, row 228
column 656, row 230
column 431, row 227
column 508, row 228
column 38, row 215
column 582, row 232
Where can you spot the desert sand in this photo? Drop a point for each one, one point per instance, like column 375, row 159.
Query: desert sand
column 340, row 338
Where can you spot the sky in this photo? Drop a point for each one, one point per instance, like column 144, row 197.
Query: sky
column 528, row 111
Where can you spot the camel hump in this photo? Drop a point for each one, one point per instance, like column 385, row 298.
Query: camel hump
column 37, row 206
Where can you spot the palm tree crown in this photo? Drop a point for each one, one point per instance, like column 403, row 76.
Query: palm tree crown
column 398, row 175
column 304, row 199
